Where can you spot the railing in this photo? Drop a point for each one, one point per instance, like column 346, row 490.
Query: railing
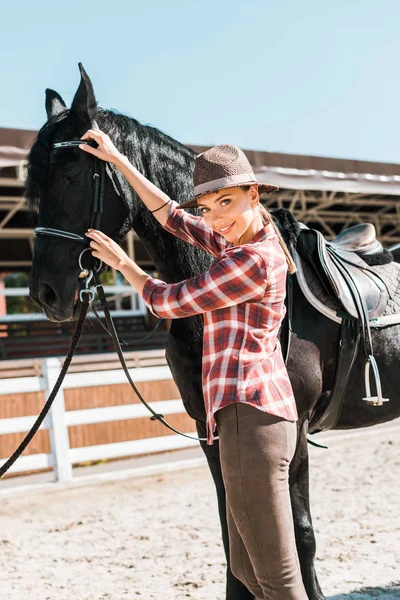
column 62, row 457
column 33, row 335
column 138, row 307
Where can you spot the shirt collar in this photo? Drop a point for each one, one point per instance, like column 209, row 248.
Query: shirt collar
column 263, row 234
column 266, row 233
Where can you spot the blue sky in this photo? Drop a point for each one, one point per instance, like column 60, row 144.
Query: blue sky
column 312, row 77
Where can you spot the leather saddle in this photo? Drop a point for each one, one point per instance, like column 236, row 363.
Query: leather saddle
column 339, row 266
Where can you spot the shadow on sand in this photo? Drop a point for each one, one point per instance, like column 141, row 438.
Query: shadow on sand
column 391, row 592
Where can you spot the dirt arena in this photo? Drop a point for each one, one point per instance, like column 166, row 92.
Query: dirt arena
column 158, row 537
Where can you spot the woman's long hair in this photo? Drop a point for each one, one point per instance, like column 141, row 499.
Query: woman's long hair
column 266, row 219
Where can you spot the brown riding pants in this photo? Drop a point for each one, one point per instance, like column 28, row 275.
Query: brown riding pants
column 256, row 449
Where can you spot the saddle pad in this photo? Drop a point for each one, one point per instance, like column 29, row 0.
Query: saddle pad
column 390, row 273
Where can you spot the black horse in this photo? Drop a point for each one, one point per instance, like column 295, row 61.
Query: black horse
column 60, row 188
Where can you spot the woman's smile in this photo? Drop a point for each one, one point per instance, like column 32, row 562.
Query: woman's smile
column 226, row 228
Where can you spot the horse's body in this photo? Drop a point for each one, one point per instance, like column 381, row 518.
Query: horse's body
column 63, row 203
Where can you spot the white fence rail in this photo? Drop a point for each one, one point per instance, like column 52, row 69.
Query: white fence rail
column 138, row 307
column 58, row 420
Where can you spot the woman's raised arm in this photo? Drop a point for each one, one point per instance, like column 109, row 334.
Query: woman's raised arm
column 151, row 195
column 189, row 228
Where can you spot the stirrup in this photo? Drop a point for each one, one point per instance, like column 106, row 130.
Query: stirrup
column 377, row 400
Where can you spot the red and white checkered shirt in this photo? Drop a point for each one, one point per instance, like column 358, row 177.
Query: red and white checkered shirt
column 241, row 297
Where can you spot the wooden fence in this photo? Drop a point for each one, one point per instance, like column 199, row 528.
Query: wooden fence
column 96, row 415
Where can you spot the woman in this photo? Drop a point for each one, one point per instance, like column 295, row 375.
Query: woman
column 247, row 391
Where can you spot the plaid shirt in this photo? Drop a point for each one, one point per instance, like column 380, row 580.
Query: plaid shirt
column 241, row 297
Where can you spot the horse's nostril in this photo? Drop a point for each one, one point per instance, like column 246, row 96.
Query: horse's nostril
column 47, row 295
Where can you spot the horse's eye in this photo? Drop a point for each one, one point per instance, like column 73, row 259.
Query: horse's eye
column 72, row 172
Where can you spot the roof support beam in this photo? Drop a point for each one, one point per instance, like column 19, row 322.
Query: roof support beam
column 12, row 212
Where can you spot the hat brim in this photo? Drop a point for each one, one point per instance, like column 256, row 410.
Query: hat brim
column 263, row 188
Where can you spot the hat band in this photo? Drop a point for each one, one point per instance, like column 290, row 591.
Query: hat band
column 224, row 182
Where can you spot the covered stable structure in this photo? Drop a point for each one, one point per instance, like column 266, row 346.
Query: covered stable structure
column 102, row 418
column 328, row 194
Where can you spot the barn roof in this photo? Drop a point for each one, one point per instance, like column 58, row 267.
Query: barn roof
column 289, row 171
column 303, row 172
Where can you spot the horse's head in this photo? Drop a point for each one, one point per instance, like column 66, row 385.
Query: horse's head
column 61, row 189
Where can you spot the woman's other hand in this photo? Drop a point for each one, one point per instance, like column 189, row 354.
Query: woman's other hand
column 105, row 150
column 105, row 249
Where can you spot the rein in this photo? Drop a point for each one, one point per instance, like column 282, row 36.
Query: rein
column 155, row 416
column 86, row 297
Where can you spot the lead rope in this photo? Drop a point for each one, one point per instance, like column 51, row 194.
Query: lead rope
column 121, row 341
column 110, row 324
column 74, row 343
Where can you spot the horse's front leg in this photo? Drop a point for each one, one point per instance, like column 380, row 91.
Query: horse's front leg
column 235, row 590
column 300, row 497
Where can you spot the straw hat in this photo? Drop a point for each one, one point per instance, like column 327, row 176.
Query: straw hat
column 223, row 167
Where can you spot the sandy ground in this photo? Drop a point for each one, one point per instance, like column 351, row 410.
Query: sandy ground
column 159, row 537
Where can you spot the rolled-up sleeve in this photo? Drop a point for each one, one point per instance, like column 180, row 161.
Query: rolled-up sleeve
column 193, row 230
column 239, row 276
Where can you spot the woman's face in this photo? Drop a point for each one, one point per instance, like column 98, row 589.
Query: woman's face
column 233, row 213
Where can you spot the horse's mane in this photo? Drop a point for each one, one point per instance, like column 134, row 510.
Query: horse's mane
column 151, row 150
column 288, row 226
column 163, row 160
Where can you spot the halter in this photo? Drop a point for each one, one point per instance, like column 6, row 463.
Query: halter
column 101, row 168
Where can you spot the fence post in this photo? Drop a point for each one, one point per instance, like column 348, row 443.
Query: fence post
column 58, row 430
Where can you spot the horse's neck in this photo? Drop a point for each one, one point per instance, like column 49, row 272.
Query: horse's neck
column 168, row 165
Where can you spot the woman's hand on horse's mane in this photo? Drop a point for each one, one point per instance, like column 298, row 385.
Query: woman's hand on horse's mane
column 105, row 150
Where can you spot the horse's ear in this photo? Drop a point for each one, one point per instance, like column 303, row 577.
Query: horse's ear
column 54, row 103
column 84, row 103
